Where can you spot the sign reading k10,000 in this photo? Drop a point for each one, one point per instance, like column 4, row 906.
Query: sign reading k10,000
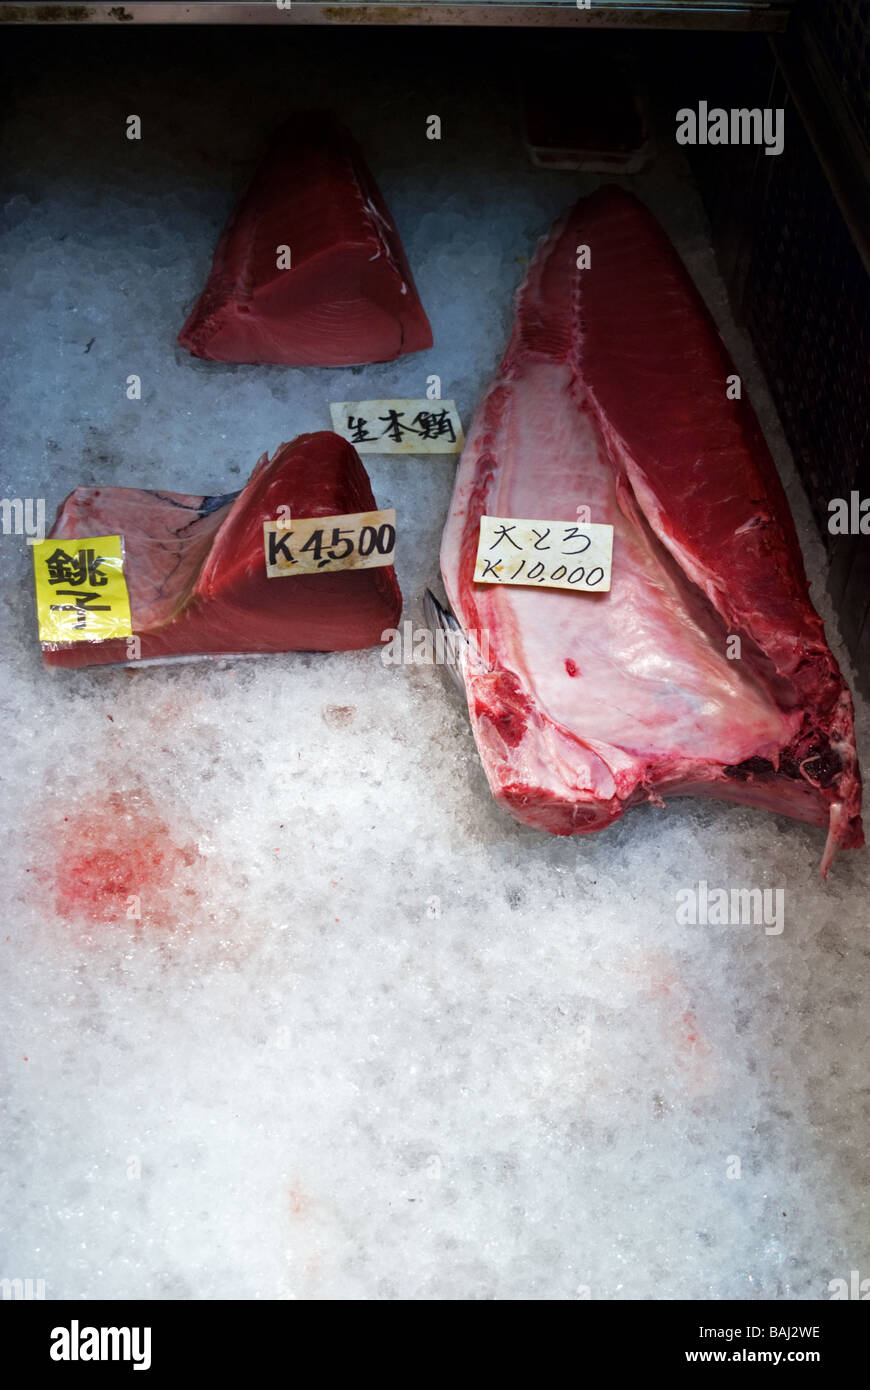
column 323, row 544
column 544, row 554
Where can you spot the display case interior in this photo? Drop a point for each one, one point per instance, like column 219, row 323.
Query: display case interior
column 294, row 1009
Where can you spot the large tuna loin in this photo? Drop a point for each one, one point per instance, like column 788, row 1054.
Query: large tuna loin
column 612, row 395
column 347, row 295
column 195, row 567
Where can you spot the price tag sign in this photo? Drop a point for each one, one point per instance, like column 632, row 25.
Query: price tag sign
column 399, row 427
column 81, row 592
column 323, row 544
column 544, row 554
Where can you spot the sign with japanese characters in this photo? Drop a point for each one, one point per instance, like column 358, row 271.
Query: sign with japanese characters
column 81, row 593
column 399, row 427
column 323, row 544
column 544, row 554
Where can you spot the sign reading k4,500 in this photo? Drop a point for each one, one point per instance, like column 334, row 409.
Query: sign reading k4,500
column 544, row 554
column 320, row 544
column 81, row 593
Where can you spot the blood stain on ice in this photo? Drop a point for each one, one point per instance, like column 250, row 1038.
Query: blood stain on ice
column 338, row 716
column 118, row 863
column 298, row 1202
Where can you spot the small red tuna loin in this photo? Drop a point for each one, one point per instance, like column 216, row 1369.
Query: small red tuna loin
column 195, row 566
column 347, row 295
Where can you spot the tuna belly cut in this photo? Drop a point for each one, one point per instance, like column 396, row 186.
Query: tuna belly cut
column 195, row 566
column 310, row 270
column 612, row 395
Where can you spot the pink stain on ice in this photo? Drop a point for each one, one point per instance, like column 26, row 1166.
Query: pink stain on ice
column 689, row 1050
column 298, row 1202
column 116, row 862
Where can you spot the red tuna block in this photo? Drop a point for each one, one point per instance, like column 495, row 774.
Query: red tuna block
column 348, row 296
column 195, row 566
column 612, row 395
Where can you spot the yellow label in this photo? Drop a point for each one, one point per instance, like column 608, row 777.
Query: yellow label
column 81, row 593
column 323, row 544
column 399, row 427
column 544, row 554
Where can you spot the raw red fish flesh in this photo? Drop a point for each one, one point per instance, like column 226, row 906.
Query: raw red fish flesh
column 348, row 295
column 612, row 395
column 195, row 566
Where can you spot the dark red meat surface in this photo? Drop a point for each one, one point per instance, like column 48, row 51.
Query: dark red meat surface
column 195, row 566
column 348, row 296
